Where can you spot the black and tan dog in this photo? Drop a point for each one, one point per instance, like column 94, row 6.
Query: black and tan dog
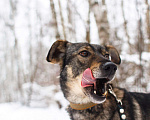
column 86, row 71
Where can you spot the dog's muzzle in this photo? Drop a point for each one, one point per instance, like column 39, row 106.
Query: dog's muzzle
column 95, row 88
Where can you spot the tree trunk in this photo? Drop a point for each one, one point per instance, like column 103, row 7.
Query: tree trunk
column 71, row 26
column 125, row 26
column 148, row 24
column 100, row 13
column 62, row 20
column 54, row 19
column 88, row 24
column 17, row 56
column 140, row 48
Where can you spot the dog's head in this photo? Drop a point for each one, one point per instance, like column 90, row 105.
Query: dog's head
column 85, row 69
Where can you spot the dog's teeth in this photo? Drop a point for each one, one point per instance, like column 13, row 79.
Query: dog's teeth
column 105, row 93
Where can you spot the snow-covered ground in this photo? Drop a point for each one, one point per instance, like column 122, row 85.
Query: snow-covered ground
column 43, row 105
column 47, row 103
column 15, row 111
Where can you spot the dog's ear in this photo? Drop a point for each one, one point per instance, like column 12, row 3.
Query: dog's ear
column 115, row 57
column 57, row 52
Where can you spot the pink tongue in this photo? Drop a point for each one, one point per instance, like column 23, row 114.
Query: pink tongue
column 87, row 78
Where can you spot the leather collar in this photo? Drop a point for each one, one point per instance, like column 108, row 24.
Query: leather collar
column 82, row 106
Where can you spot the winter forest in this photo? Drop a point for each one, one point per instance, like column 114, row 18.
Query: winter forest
column 28, row 28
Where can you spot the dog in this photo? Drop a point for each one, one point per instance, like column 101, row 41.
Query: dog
column 86, row 71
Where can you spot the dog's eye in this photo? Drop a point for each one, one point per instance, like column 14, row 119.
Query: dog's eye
column 84, row 53
column 106, row 56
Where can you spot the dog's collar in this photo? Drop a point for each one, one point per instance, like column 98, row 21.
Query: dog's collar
column 82, row 106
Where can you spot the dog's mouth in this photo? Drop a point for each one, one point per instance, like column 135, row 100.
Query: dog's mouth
column 94, row 88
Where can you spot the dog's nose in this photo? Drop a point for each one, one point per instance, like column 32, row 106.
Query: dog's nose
column 109, row 67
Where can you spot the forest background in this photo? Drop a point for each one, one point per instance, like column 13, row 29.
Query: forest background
column 28, row 28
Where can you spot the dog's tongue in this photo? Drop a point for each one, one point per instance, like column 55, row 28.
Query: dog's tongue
column 87, row 78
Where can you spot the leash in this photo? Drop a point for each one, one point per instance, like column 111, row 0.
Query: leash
column 119, row 103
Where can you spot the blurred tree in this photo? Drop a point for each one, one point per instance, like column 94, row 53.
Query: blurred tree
column 148, row 23
column 125, row 27
column 88, row 24
column 100, row 13
column 54, row 19
column 62, row 19
column 71, row 21
column 140, row 49
column 17, row 54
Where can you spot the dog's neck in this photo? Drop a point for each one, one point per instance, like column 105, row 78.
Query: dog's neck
column 91, row 104
column 83, row 106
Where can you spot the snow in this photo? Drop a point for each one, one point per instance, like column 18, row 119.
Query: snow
column 47, row 103
column 16, row 111
column 148, row 87
column 43, row 105
column 135, row 57
column 44, row 96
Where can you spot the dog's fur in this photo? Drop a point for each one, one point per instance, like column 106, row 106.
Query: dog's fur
column 74, row 59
